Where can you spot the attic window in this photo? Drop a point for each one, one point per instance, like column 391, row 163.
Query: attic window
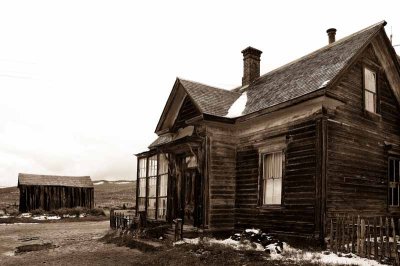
column 369, row 90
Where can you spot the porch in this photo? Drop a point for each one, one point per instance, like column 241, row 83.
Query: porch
column 171, row 183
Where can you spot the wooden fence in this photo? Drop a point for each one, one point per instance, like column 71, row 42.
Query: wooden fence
column 370, row 237
column 121, row 220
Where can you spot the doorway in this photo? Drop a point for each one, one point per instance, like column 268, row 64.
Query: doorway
column 191, row 191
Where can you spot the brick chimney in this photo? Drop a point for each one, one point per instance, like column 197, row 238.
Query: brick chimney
column 331, row 35
column 251, row 65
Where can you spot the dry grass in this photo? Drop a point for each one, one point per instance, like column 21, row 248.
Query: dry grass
column 115, row 195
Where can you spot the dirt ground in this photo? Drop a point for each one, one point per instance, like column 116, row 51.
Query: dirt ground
column 72, row 243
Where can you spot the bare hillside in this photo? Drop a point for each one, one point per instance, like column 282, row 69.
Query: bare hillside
column 106, row 194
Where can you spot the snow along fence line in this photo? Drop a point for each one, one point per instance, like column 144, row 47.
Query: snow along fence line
column 369, row 237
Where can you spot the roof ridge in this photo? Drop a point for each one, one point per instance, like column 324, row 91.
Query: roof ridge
column 199, row 83
column 381, row 23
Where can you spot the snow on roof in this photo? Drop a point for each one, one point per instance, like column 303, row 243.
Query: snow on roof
column 238, row 106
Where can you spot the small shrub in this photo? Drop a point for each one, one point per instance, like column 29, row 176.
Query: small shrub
column 38, row 212
column 96, row 212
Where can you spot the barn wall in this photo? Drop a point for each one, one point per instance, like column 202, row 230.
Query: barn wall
column 54, row 197
column 357, row 159
column 297, row 213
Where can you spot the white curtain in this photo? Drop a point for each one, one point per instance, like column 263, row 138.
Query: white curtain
column 273, row 178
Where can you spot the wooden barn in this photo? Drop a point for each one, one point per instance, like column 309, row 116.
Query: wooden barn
column 50, row 192
column 285, row 151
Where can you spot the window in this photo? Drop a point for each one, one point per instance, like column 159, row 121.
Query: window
column 163, row 187
column 272, row 178
column 142, row 184
column 394, row 176
column 153, row 186
column 151, row 201
column 369, row 90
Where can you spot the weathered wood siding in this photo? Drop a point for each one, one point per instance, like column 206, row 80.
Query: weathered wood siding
column 221, row 182
column 54, row 197
column 357, row 160
column 187, row 111
column 296, row 215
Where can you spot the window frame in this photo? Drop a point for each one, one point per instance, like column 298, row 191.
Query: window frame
column 152, row 175
column 376, row 94
column 262, row 179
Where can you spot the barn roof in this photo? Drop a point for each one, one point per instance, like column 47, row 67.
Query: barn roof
column 53, row 180
column 303, row 76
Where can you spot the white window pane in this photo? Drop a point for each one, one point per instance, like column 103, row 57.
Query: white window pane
column 163, row 185
column 152, row 186
column 369, row 101
column 277, row 191
column 162, row 208
column 272, row 180
column 370, row 80
column 269, row 191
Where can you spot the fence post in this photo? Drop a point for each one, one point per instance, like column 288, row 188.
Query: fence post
column 358, row 235
column 387, row 247
column 331, row 238
column 362, row 238
column 368, row 241
column 337, row 235
column 381, row 244
column 375, row 241
column 343, row 234
column 353, row 248
column 396, row 255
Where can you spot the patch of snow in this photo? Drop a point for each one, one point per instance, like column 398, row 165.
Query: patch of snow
column 98, row 183
column 25, row 215
column 46, row 217
column 122, row 182
column 9, row 253
column 254, row 231
column 238, row 106
column 69, row 216
column 180, row 242
column 82, row 215
column 323, row 85
column 5, row 216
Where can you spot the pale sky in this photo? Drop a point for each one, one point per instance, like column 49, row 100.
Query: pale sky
column 83, row 83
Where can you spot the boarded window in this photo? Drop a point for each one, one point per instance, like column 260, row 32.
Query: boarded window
column 370, row 90
column 272, row 178
column 394, row 188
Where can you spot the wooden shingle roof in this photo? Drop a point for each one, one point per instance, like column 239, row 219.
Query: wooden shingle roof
column 210, row 100
column 308, row 74
column 53, row 180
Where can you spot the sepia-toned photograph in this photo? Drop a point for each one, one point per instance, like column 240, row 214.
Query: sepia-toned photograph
column 180, row 133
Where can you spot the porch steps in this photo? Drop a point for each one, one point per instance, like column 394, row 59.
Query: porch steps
column 188, row 232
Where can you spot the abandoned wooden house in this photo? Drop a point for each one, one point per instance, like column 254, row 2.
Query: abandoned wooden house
column 48, row 192
column 286, row 150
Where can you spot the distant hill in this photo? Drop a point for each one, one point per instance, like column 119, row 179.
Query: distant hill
column 112, row 194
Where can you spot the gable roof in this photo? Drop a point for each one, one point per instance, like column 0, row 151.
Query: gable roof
column 210, row 100
column 53, row 180
column 309, row 73
column 304, row 76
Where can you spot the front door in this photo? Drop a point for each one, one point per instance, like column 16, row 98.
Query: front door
column 191, row 194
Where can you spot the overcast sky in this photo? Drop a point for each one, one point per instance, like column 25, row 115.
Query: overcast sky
column 83, row 83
